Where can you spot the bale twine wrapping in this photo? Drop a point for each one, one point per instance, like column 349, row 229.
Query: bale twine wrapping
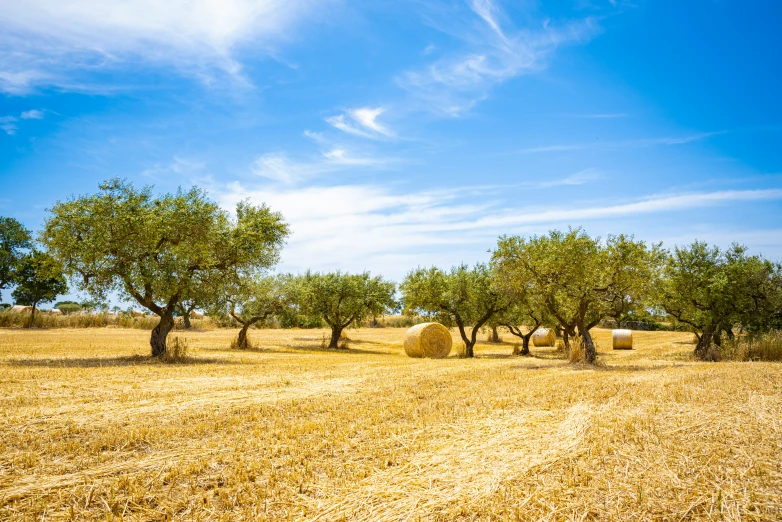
column 623, row 339
column 428, row 340
column 544, row 337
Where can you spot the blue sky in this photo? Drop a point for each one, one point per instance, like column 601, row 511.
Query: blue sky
column 414, row 132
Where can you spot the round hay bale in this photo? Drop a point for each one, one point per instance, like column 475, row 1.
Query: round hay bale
column 623, row 339
column 428, row 340
column 544, row 337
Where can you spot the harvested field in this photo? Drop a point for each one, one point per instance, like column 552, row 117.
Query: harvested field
column 95, row 430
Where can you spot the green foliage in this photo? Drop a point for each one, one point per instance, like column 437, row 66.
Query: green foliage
column 39, row 279
column 253, row 300
column 91, row 305
column 578, row 279
column 710, row 291
column 159, row 251
column 341, row 300
column 68, row 307
column 14, row 240
column 466, row 296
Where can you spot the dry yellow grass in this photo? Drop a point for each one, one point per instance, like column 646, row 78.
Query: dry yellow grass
column 92, row 429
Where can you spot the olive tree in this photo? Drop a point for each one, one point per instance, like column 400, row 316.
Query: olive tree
column 254, row 300
column 161, row 250
column 523, row 318
column 580, row 280
column 15, row 239
column 466, row 296
column 342, row 299
column 39, row 279
column 709, row 291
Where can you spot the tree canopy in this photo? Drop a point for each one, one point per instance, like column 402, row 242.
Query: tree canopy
column 341, row 299
column 580, row 279
column 15, row 239
column 253, row 300
column 465, row 296
column 159, row 250
column 710, row 290
column 39, row 279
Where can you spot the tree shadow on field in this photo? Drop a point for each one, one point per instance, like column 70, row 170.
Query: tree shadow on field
column 109, row 362
column 349, row 340
column 638, row 367
column 292, row 348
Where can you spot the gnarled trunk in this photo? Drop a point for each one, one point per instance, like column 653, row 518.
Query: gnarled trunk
column 495, row 335
column 336, row 334
column 186, row 318
column 469, row 342
column 704, row 342
column 590, row 354
column 160, row 332
column 241, row 341
column 525, row 343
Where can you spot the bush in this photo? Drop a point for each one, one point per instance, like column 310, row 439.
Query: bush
column 177, row 350
column 753, row 347
column 576, row 353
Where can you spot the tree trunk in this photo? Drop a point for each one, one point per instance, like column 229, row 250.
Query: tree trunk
column 468, row 344
column 525, row 343
column 32, row 317
column 336, row 333
column 590, row 354
column 241, row 341
column 704, row 342
column 186, row 318
column 495, row 336
column 160, row 332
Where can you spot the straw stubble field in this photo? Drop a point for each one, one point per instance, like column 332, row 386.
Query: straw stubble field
column 92, row 429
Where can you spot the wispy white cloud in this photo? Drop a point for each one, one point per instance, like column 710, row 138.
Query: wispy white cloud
column 650, row 205
column 45, row 42
column 372, row 227
column 8, row 124
column 493, row 53
column 277, row 167
column 361, row 122
column 579, row 178
column 33, row 114
column 635, row 143
column 178, row 166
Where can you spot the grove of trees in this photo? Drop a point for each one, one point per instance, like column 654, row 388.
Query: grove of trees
column 179, row 252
